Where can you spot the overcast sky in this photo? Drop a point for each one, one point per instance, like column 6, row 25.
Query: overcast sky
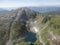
column 23, row 3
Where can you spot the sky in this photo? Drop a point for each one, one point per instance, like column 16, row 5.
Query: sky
column 26, row 3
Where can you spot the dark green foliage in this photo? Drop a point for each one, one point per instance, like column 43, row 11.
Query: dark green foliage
column 19, row 29
column 46, row 19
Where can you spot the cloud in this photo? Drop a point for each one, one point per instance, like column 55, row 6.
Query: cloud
column 18, row 4
column 23, row 4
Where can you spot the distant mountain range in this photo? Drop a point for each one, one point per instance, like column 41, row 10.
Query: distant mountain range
column 3, row 10
column 45, row 9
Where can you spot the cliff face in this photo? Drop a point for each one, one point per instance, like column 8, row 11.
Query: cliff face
column 24, row 26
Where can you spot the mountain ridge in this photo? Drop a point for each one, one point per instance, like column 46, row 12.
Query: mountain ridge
column 19, row 26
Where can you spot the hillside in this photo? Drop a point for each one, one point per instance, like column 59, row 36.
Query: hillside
column 27, row 27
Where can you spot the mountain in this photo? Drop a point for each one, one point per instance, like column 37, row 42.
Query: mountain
column 13, row 26
column 45, row 9
column 3, row 10
column 24, row 26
